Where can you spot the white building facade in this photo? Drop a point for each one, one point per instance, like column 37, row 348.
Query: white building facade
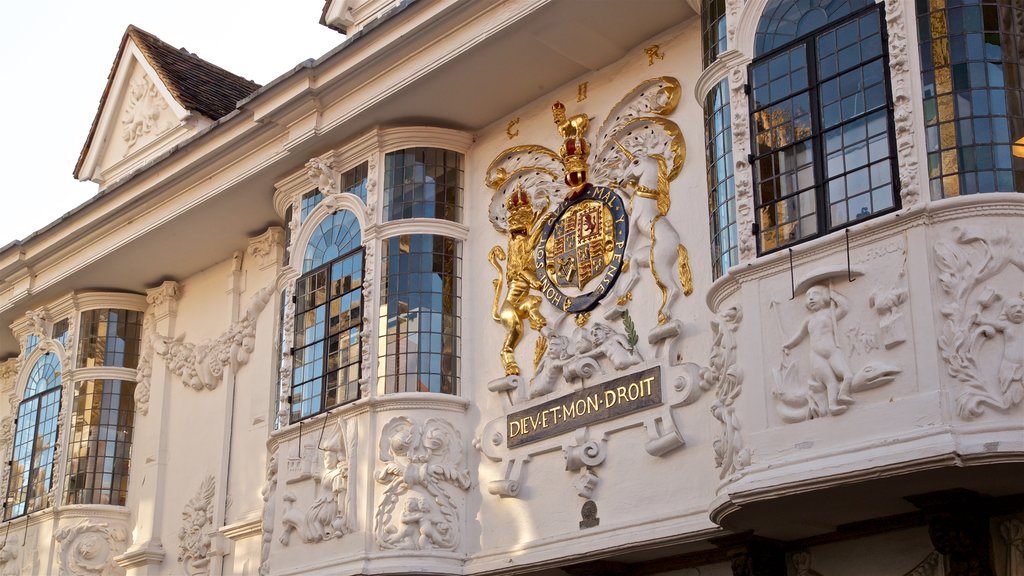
column 537, row 287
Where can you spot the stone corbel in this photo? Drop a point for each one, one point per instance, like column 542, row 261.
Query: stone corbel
column 509, row 485
column 584, row 452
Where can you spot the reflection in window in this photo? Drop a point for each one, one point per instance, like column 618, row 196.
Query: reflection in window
column 721, row 188
column 712, row 17
column 335, row 235
column 419, row 321
column 423, row 183
column 971, row 67
column 35, row 439
column 99, row 451
column 60, row 331
column 823, row 153
column 326, row 349
column 110, row 337
column 352, row 182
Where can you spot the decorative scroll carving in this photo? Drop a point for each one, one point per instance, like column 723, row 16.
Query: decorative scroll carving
column 202, row 365
column 965, row 264
column 263, row 248
column 330, row 513
column 267, row 494
column 88, row 549
column 740, row 126
column 196, row 533
column 423, row 465
column 726, row 377
column 163, row 297
column 142, row 113
column 831, row 383
column 38, row 323
column 903, row 102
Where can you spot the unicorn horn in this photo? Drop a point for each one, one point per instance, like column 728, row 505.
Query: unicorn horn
column 629, row 156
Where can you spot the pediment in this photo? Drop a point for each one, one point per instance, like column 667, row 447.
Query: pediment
column 138, row 120
column 156, row 97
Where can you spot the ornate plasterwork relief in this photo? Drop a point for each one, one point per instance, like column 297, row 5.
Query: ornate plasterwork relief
column 202, row 365
column 9, row 558
column 740, row 126
column 267, row 524
column 726, row 377
column 830, row 383
column 144, row 107
column 287, row 360
column 195, row 537
column 903, row 102
column 423, row 470
column 981, row 318
column 321, row 175
column 365, row 341
column 330, row 514
column 263, row 248
column 162, row 300
column 88, row 548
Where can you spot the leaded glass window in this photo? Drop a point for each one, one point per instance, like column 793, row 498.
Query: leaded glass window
column 721, row 187
column 713, row 26
column 972, row 62
column 336, row 235
column 99, row 452
column 326, row 347
column 110, row 337
column 35, row 439
column 823, row 152
column 423, row 183
column 420, row 308
column 352, row 182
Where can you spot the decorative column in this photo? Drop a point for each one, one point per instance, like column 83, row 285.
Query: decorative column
column 149, row 464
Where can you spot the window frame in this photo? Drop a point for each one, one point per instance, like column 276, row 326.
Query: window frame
column 818, row 153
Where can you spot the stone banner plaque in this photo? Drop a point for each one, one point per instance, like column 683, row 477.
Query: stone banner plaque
column 611, row 399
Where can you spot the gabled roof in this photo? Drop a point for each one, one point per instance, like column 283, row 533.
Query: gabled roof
column 197, row 85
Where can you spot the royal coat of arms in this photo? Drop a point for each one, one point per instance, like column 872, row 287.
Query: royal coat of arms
column 593, row 223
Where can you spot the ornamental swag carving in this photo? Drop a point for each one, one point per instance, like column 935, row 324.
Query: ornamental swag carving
column 202, row 365
column 980, row 318
column 267, row 525
column 726, row 377
column 196, row 533
column 89, row 548
column 424, row 466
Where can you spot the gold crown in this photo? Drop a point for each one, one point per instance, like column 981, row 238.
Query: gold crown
column 575, row 148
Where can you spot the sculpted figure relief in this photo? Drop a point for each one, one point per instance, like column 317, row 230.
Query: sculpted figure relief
column 830, row 383
column 328, row 515
column 519, row 305
column 970, row 266
column 424, row 464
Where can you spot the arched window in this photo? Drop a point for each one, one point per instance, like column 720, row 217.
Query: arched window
column 328, row 318
column 823, row 150
column 35, row 439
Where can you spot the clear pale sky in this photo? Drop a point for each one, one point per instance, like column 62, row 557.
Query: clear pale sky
column 56, row 55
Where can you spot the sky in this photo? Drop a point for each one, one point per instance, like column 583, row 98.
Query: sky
column 55, row 57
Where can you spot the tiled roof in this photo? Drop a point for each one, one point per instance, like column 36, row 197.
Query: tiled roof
column 196, row 84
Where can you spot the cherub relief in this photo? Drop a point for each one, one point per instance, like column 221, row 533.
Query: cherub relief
column 829, row 369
